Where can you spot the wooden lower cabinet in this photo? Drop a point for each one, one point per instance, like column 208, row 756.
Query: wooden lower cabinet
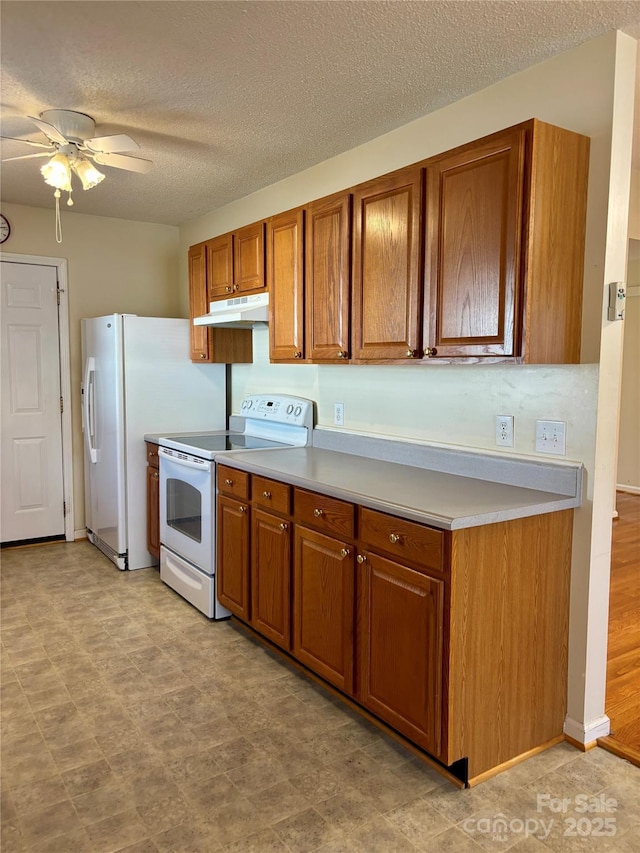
column 400, row 646
column 271, row 577
column 233, row 555
column 153, row 500
column 455, row 639
column 323, row 608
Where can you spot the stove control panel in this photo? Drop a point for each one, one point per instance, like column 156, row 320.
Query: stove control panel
column 278, row 408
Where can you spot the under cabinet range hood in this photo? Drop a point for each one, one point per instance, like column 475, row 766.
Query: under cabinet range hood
column 237, row 312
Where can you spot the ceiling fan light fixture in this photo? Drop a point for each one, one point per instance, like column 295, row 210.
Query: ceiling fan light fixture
column 88, row 174
column 57, row 172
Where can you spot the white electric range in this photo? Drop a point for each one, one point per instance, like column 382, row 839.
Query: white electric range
column 188, row 488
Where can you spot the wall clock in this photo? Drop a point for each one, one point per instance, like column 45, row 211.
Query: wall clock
column 5, row 228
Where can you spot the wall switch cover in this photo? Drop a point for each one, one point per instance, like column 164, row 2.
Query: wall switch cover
column 338, row 414
column 551, row 437
column 504, row 430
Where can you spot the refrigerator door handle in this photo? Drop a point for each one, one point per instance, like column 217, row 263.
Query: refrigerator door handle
column 88, row 409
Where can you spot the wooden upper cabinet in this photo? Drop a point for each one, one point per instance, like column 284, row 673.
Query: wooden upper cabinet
column 219, row 267
column 235, row 262
column 387, row 260
column 198, row 303
column 285, row 280
column 473, row 248
column 248, row 258
column 328, row 278
column 505, row 232
column 223, row 346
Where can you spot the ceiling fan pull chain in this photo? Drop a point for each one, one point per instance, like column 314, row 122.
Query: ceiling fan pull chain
column 58, row 221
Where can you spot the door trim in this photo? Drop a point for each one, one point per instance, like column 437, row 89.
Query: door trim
column 65, row 377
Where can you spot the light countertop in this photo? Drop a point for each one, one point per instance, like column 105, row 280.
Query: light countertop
column 443, row 500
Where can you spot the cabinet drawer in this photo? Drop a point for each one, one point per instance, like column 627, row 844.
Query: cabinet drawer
column 152, row 455
column 270, row 494
column 233, row 482
column 328, row 515
column 406, row 541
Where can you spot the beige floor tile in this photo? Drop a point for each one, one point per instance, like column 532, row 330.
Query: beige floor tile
column 130, row 710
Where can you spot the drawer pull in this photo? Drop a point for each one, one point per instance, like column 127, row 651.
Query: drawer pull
column 228, row 482
column 361, row 559
column 284, row 525
column 318, row 513
column 266, row 495
column 344, row 552
column 242, row 508
column 394, row 537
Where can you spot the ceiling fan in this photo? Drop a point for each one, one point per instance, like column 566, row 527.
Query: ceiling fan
column 73, row 147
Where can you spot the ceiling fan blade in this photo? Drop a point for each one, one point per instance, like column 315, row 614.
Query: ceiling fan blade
column 121, row 161
column 27, row 156
column 49, row 130
column 29, row 142
column 111, row 144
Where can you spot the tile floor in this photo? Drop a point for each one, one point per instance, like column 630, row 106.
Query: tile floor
column 132, row 723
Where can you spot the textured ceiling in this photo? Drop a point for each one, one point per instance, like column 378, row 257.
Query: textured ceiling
column 228, row 97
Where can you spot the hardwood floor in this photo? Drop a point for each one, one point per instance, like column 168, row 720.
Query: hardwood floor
column 623, row 668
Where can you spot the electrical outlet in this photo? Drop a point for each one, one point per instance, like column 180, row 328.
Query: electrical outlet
column 551, row 437
column 504, row 430
column 338, row 414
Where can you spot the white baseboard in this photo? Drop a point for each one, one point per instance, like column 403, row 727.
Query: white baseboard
column 623, row 487
column 587, row 732
column 80, row 534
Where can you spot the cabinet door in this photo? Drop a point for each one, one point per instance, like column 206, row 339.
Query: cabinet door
column 233, row 553
column 248, row 258
column 323, row 610
column 219, row 267
column 271, row 577
column 199, row 336
column 285, row 280
column 153, row 511
column 387, row 261
column 474, row 248
column 401, row 615
column 328, row 278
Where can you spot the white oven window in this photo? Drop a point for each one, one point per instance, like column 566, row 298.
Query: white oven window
column 184, row 508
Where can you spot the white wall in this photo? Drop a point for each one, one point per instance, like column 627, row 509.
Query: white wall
column 114, row 265
column 457, row 404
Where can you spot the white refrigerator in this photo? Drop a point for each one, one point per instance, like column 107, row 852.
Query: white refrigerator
column 137, row 378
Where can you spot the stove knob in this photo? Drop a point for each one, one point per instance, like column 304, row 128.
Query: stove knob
column 249, row 403
column 289, row 408
column 297, row 411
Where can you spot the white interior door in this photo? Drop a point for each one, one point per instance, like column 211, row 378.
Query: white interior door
column 32, row 505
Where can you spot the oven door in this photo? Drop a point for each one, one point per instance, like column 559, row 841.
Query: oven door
column 186, row 508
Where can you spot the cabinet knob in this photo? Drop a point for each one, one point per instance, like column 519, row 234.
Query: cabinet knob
column 430, row 351
column 228, row 289
column 284, row 525
column 411, row 353
column 361, row 559
column 203, row 355
column 318, row 513
column 242, row 508
column 152, row 453
column 344, row 552
column 266, row 495
column 228, row 482
column 235, row 287
column 155, row 475
column 297, row 354
column 342, row 353
column 394, row 537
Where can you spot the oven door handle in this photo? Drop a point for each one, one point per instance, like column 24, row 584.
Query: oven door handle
column 204, row 466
